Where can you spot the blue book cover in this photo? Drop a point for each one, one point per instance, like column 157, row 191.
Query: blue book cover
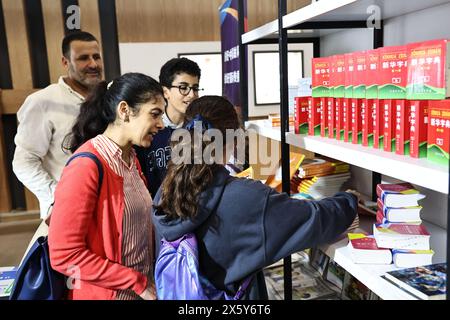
column 7, row 277
column 424, row 282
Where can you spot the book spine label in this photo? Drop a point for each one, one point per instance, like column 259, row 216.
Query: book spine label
column 388, row 125
column 418, row 128
column 402, row 130
column 356, row 121
column 331, row 118
column 324, row 117
column 367, row 123
column 377, row 125
column 347, row 114
column 301, row 115
column 359, row 76
column 314, row 116
column 339, row 116
column 372, row 70
column 438, row 132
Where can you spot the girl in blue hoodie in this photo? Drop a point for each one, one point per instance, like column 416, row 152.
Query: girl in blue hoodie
column 241, row 225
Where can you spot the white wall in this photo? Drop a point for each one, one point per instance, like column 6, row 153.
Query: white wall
column 148, row 58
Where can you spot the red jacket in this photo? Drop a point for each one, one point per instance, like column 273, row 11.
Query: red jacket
column 86, row 231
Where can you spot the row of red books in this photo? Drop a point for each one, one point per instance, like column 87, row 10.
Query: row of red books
column 418, row 128
column 416, row 71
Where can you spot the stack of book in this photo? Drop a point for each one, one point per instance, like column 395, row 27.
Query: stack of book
column 399, row 226
column 322, row 177
column 398, row 235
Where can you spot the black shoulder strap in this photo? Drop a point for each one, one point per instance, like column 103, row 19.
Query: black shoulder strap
column 97, row 162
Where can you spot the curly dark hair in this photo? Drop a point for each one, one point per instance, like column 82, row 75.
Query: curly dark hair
column 185, row 182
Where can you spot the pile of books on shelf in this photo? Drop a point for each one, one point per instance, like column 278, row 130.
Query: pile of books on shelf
column 398, row 235
column 315, row 277
column 391, row 98
column 321, row 177
column 274, row 120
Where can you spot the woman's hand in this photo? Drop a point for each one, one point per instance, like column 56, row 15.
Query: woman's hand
column 149, row 293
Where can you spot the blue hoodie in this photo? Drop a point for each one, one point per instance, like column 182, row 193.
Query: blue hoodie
column 243, row 226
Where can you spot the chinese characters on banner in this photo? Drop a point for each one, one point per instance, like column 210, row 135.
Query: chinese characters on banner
column 229, row 25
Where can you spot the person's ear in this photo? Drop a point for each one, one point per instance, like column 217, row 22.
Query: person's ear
column 166, row 93
column 123, row 111
column 65, row 62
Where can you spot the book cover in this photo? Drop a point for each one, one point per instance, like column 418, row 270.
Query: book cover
column 7, row 277
column 402, row 127
column 399, row 195
column 349, row 71
column 418, row 128
column 364, row 249
column 428, row 70
column 402, row 236
column 339, row 117
column 399, row 215
column 372, row 70
column 338, row 81
column 393, row 72
column 335, row 274
column 353, row 289
column 347, row 119
column 331, row 118
column 359, row 75
column 356, row 121
column 301, row 115
column 412, row 258
column 425, row 282
column 320, row 77
column 388, row 125
column 314, row 116
column 367, row 123
column 377, row 125
column 438, row 132
column 324, row 117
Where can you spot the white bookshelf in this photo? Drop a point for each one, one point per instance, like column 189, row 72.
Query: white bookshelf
column 417, row 171
column 370, row 274
column 354, row 10
column 337, row 10
column 264, row 31
column 262, row 128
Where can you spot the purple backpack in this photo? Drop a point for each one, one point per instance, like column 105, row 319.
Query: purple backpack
column 177, row 275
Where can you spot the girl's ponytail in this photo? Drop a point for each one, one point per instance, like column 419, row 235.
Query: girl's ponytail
column 99, row 109
column 92, row 120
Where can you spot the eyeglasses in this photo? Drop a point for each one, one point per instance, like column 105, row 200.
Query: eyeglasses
column 185, row 90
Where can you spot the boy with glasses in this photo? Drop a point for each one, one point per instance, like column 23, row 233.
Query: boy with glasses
column 180, row 80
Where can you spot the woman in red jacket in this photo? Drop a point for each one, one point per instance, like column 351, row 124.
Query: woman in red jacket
column 104, row 241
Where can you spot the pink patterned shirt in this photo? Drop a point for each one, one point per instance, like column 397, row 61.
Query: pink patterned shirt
column 137, row 251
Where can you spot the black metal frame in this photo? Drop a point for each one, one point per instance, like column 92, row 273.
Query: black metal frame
column 283, row 41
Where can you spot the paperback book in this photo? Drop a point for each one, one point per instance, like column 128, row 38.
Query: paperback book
column 425, row 282
column 363, row 249
column 399, row 195
column 402, row 236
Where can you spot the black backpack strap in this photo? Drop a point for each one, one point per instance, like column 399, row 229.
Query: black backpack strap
column 97, row 162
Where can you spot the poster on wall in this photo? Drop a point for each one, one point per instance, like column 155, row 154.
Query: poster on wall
column 229, row 26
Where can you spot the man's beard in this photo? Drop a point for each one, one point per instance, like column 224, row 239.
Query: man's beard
column 88, row 82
